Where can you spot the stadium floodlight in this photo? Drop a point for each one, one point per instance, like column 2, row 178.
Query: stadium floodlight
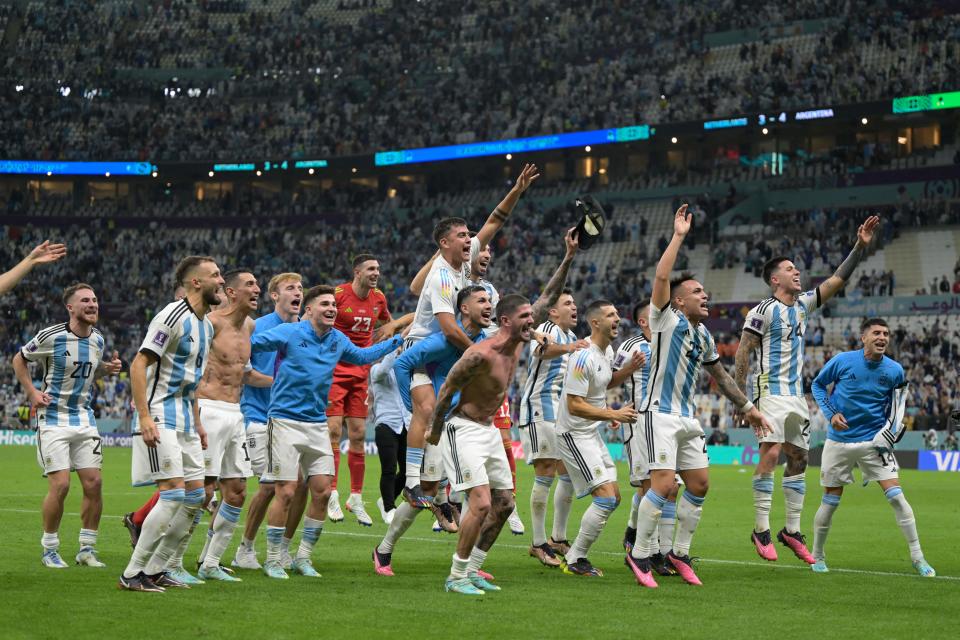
column 509, row 156
column 587, row 148
column 673, row 139
column 864, row 120
column 766, row 131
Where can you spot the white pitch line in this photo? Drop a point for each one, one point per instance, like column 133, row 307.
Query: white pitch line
column 448, row 540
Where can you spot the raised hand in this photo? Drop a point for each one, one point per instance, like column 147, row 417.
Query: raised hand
column 527, row 177
column 681, row 221
column 115, row 365
column 572, row 241
column 46, row 252
column 865, row 232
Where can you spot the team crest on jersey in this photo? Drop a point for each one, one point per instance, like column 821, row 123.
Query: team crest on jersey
column 662, row 456
column 432, row 469
column 49, row 460
column 276, row 468
column 884, row 380
column 160, row 338
column 597, row 471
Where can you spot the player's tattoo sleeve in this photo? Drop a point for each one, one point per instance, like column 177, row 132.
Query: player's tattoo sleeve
column 466, row 368
column 551, row 293
column 748, row 343
column 726, row 384
column 845, row 270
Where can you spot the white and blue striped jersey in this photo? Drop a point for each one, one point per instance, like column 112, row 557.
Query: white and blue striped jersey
column 181, row 340
column 69, row 363
column 541, row 390
column 781, row 329
column 492, row 292
column 639, row 378
column 678, row 352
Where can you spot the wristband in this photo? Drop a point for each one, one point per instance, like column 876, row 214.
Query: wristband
column 746, row 407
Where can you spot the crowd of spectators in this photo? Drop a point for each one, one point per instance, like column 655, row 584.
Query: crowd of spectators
column 179, row 80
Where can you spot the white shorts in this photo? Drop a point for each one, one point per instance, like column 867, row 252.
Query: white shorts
column 675, row 443
column 588, row 461
column 839, row 459
column 638, row 450
column 790, row 419
column 543, row 441
column 431, row 469
column 177, row 455
column 420, row 379
column 226, row 455
column 297, row 448
column 525, row 443
column 257, row 447
column 473, row 455
column 69, row 448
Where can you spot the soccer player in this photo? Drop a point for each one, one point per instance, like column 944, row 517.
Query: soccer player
column 435, row 355
column 635, row 442
column 391, row 418
column 865, row 411
column 70, row 353
column 435, row 311
column 298, row 438
column 546, row 368
column 226, row 457
column 681, row 346
column 286, row 292
column 168, row 450
column 777, row 326
column 360, row 307
column 582, row 413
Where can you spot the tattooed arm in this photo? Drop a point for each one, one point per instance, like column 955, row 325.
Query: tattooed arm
column 833, row 284
column 551, row 293
column 471, row 365
column 748, row 344
column 733, row 393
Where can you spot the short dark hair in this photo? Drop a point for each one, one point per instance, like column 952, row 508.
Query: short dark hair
column 443, row 227
column 595, row 306
column 361, row 258
column 72, row 289
column 770, row 266
column 685, row 276
column 187, row 265
column 567, row 291
column 510, row 303
column 230, row 277
column 466, row 292
column 869, row 322
column 316, row 291
column 637, row 308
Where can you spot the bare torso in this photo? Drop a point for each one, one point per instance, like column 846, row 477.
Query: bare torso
column 483, row 396
column 229, row 354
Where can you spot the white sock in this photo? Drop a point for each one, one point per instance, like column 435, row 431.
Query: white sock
column 562, row 501
column 88, row 538
column 668, row 523
column 648, row 519
column 285, row 543
column 274, row 538
column 688, row 517
column 228, row 516
column 908, row 524
column 403, row 517
column 177, row 559
column 207, row 538
column 246, row 544
column 538, row 508
column 634, row 509
column 794, row 489
column 591, row 524
column 762, row 499
column 477, row 557
column 177, row 533
column 458, row 569
column 154, row 526
column 50, row 541
column 311, row 533
column 441, row 497
column 821, row 523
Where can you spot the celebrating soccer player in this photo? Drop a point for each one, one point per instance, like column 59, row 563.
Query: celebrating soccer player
column 778, row 326
column 71, row 354
column 865, row 411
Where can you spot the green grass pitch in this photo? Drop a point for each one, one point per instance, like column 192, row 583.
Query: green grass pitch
column 871, row 591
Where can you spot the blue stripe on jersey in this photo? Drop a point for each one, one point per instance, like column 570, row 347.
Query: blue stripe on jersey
column 58, row 364
column 79, row 382
column 776, row 345
column 796, row 348
column 546, row 393
column 673, row 363
column 176, row 380
column 693, row 362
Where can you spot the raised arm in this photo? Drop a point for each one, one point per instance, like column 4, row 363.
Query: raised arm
column 661, row 280
column 452, row 331
column 416, row 286
column 355, row 355
column 471, row 365
column 556, row 350
column 499, row 217
column 833, row 284
column 733, row 393
column 43, row 253
column 557, row 281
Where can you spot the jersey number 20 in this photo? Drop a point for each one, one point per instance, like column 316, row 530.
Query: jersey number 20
column 81, row 370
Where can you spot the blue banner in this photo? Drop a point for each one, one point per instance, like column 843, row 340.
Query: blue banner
column 939, row 461
column 56, row 168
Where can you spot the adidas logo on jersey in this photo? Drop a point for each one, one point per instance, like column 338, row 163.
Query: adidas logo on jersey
column 348, row 310
column 303, row 344
column 189, row 339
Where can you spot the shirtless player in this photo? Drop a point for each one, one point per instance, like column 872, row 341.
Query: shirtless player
column 226, row 457
column 473, row 454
